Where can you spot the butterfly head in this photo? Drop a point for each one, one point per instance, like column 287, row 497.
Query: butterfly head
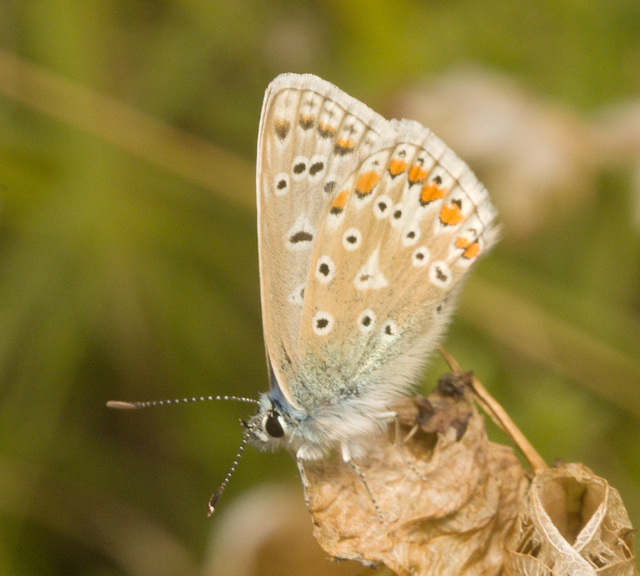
column 270, row 428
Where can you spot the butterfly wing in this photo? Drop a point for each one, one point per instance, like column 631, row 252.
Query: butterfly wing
column 366, row 229
column 302, row 154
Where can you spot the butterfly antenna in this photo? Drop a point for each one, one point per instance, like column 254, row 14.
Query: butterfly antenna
column 119, row 405
column 216, row 495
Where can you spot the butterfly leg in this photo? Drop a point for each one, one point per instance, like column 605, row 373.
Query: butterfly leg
column 346, row 456
column 303, row 477
column 400, row 446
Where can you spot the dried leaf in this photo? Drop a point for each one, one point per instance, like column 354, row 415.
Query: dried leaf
column 448, row 497
column 572, row 522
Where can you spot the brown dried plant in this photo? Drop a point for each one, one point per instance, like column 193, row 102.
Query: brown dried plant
column 438, row 498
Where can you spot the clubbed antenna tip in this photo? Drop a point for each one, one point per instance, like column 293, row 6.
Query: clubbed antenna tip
column 211, row 507
column 119, row 405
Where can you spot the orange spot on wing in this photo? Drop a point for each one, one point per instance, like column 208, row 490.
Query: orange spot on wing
column 366, row 183
column 282, row 128
column 471, row 249
column 397, row 166
column 326, row 130
column 307, row 121
column 417, row 173
column 339, row 202
column 451, row 214
column 430, row 193
column 344, row 146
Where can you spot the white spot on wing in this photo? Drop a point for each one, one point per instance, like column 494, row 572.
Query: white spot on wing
column 420, row 257
column 369, row 276
column 352, row 239
column 300, row 235
column 389, row 331
column 299, row 167
column 325, row 269
column 366, row 320
column 317, row 167
column 281, row 184
column 397, row 216
column 297, row 296
column 382, row 206
column 411, row 236
column 439, row 274
column 322, row 323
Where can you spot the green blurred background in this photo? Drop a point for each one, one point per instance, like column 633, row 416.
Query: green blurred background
column 128, row 256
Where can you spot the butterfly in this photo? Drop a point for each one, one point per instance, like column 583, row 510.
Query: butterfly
column 366, row 229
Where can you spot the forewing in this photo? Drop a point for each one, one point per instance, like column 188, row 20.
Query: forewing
column 311, row 135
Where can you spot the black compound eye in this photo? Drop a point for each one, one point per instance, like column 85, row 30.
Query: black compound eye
column 273, row 427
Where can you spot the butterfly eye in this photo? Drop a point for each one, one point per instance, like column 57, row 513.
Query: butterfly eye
column 272, row 426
